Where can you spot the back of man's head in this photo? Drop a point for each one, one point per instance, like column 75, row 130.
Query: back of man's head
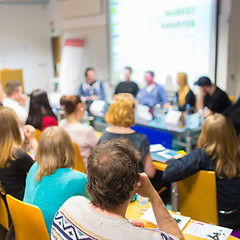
column 11, row 87
column 112, row 172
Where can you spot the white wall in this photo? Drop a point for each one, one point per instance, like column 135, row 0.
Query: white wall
column 228, row 68
column 25, row 43
column 92, row 27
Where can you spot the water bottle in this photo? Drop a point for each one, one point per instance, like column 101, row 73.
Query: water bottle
column 175, row 103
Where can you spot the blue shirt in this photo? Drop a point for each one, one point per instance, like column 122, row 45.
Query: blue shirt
column 87, row 90
column 155, row 96
column 52, row 191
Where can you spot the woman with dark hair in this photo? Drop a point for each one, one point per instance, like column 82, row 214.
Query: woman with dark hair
column 83, row 135
column 40, row 114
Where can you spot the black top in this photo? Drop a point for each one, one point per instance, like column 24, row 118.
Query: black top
column 228, row 191
column 189, row 99
column 127, row 87
column 139, row 140
column 12, row 178
column 218, row 102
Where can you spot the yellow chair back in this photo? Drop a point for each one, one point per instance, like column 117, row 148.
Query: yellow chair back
column 38, row 133
column 27, row 219
column 3, row 214
column 79, row 165
column 231, row 98
column 198, row 197
column 99, row 134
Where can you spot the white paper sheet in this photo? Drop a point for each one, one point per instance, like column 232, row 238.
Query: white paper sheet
column 181, row 220
column 165, row 154
column 156, row 147
column 207, row 231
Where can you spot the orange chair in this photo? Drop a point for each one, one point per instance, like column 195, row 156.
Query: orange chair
column 79, row 165
column 38, row 133
column 3, row 214
column 27, row 219
column 198, row 197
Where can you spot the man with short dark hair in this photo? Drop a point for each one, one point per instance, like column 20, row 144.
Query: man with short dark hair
column 92, row 89
column 153, row 93
column 113, row 180
column 127, row 86
column 15, row 99
column 211, row 96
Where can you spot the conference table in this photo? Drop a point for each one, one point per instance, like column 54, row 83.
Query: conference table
column 185, row 136
column 133, row 212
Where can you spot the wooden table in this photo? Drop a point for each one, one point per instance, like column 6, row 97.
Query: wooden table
column 133, row 212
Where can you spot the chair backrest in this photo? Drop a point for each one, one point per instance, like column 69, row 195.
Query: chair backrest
column 38, row 133
column 27, row 220
column 4, row 221
column 198, row 198
column 79, row 165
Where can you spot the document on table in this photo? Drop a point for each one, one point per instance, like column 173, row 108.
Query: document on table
column 181, row 220
column 165, row 154
column 156, row 147
column 207, row 231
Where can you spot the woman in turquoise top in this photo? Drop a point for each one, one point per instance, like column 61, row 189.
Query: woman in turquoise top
column 51, row 180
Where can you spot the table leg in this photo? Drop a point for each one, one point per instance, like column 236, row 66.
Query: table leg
column 174, row 197
column 189, row 144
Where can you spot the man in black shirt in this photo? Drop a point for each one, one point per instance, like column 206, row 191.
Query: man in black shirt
column 211, row 96
column 127, row 86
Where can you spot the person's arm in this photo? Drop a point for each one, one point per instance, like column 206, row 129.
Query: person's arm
column 200, row 99
column 164, row 220
column 148, row 166
column 163, row 97
column 92, row 139
column 178, row 169
column 102, row 92
column 30, row 136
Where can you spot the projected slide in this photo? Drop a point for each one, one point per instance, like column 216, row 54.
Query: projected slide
column 166, row 36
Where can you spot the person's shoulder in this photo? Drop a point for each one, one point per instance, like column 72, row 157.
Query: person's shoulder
column 76, row 202
column 33, row 170
column 198, row 154
column 139, row 136
column 62, row 123
column 21, row 155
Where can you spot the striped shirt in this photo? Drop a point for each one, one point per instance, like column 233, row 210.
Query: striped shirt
column 76, row 219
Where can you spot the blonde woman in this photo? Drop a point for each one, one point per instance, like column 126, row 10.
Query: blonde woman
column 121, row 116
column 51, row 180
column 83, row 135
column 184, row 95
column 14, row 162
column 217, row 151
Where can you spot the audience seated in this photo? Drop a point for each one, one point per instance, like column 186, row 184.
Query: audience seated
column 153, row 93
column 121, row 114
column 217, row 151
column 51, row 181
column 83, row 135
column 184, row 95
column 40, row 112
column 128, row 86
column 211, row 96
column 14, row 162
column 113, row 180
column 15, row 100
